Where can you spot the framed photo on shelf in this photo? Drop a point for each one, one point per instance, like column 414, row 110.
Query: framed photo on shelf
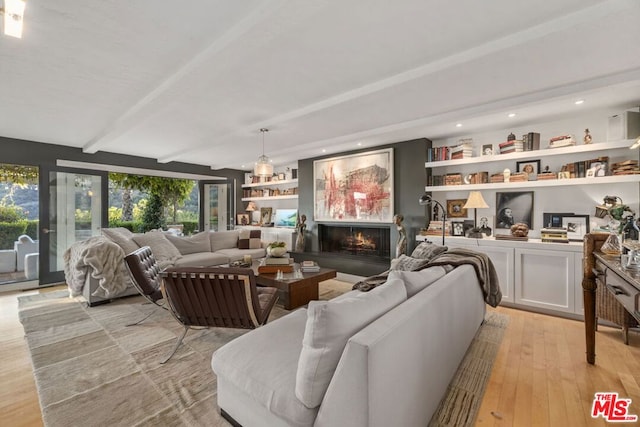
column 532, row 167
column 513, row 207
column 577, row 226
column 487, row 150
column 554, row 219
column 265, row 215
column 457, row 228
column 243, row 219
column 467, row 225
column 455, row 208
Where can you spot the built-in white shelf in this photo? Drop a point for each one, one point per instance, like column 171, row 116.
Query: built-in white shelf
column 270, row 183
column 602, row 180
column 574, row 149
column 286, row 196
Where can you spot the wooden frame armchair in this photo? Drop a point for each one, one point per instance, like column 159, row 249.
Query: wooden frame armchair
column 144, row 272
column 216, row 296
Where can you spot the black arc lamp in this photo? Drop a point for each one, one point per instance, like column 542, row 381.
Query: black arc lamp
column 427, row 200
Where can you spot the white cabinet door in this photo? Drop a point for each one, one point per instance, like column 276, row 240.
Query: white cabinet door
column 545, row 279
column 502, row 259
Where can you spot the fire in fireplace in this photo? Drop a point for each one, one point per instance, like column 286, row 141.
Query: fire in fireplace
column 355, row 240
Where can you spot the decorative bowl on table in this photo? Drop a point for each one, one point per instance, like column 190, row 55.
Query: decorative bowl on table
column 276, row 249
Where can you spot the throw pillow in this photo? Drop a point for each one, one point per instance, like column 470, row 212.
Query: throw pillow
column 428, row 251
column 407, row 263
column 122, row 237
column 190, row 245
column 415, row 281
column 163, row 250
column 249, row 239
column 329, row 326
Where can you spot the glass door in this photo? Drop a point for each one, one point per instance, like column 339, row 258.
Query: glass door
column 74, row 201
column 19, row 206
column 219, row 205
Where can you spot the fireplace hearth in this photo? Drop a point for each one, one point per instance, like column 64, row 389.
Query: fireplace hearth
column 368, row 241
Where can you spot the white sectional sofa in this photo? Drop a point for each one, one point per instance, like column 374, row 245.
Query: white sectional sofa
column 378, row 358
column 95, row 267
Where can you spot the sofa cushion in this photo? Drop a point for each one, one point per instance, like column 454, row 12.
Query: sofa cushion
column 406, row 263
column 122, row 237
column 427, row 250
column 238, row 254
column 415, row 281
column 202, row 259
column 329, row 326
column 268, row 376
column 193, row 244
column 249, row 239
column 163, row 250
column 223, row 240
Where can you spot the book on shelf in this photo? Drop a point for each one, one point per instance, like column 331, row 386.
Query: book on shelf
column 561, row 141
column 531, row 141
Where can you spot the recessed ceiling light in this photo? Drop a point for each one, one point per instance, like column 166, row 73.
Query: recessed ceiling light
column 324, row 150
column 579, row 101
column 511, row 115
column 359, row 144
column 458, row 125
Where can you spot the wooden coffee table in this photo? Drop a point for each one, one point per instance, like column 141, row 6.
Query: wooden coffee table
column 292, row 292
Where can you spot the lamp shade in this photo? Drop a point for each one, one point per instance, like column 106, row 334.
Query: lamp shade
column 263, row 167
column 475, row 200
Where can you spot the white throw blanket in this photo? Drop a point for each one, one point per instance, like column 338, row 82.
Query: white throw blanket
column 101, row 258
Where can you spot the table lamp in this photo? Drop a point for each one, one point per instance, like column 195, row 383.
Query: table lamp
column 251, row 207
column 475, row 201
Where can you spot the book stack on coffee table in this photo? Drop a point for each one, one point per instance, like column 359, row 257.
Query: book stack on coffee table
column 309, row 267
column 275, row 264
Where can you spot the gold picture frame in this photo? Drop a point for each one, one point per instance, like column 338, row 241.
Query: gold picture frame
column 265, row 215
column 455, row 208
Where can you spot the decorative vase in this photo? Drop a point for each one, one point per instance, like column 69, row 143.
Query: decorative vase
column 276, row 252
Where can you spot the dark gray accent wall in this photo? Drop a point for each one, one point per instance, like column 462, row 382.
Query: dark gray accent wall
column 46, row 155
column 410, row 178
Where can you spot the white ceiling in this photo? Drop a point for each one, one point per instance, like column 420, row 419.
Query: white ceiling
column 196, row 83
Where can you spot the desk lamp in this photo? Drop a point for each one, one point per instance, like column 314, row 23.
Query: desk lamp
column 427, row 200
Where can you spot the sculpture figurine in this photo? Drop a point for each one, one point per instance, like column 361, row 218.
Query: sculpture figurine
column 301, row 227
column 401, row 246
column 587, row 137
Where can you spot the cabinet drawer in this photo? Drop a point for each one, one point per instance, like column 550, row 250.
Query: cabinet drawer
column 623, row 292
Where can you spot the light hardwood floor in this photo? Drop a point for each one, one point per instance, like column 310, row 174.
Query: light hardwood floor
column 540, row 376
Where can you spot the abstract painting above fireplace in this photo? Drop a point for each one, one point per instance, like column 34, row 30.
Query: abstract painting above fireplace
column 354, row 188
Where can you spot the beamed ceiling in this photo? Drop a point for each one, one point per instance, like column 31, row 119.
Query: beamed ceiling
column 195, row 81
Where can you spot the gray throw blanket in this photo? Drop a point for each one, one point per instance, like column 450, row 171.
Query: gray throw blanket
column 483, row 266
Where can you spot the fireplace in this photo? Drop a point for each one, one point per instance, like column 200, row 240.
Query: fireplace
column 355, row 240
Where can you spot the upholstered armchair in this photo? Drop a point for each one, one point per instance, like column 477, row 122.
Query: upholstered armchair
column 216, row 296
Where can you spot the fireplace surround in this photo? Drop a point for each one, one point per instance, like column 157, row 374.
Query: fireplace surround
column 361, row 240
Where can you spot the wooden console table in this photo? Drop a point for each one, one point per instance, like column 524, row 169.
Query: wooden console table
column 622, row 284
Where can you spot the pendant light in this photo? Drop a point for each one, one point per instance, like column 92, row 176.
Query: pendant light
column 263, row 167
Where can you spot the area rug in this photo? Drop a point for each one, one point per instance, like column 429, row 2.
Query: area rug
column 92, row 370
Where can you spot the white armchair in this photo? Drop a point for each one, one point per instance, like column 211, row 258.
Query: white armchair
column 24, row 246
